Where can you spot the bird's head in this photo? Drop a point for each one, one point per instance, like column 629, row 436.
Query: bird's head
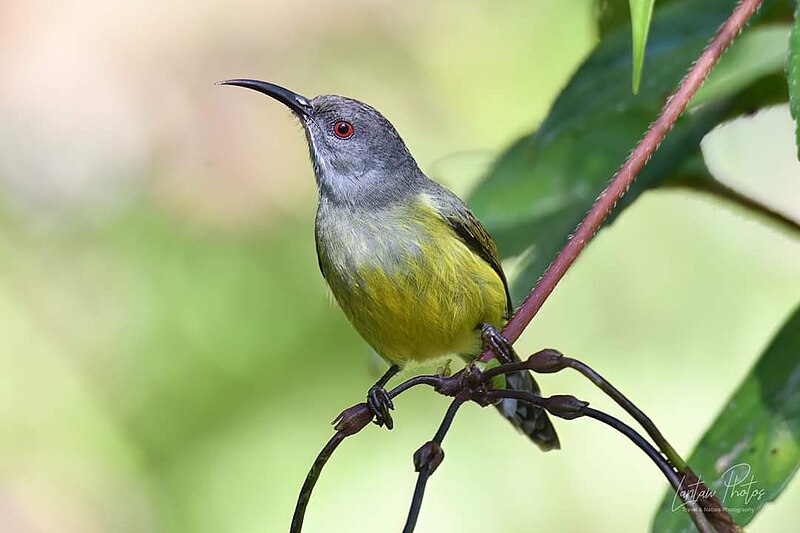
column 358, row 156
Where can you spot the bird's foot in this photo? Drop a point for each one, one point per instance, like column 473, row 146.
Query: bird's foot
column 378, row 399
column 380, row 404
column 495, row 341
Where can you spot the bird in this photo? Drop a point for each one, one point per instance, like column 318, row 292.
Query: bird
column 409, row 264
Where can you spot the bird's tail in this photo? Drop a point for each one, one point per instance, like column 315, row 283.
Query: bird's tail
column 529, row 419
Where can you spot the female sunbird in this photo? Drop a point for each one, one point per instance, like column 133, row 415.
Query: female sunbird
column 409, row 264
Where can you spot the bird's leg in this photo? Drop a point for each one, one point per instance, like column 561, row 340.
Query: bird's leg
column 495, row 341
column 378, row 399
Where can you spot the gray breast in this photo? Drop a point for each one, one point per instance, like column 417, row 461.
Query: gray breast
column 350, row 240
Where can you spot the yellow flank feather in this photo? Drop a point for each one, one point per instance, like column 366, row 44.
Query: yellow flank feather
column 411, row 288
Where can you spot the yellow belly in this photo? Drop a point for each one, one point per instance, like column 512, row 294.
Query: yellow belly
column 414, row 293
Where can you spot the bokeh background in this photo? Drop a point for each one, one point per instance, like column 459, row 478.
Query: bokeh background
column 169, row 358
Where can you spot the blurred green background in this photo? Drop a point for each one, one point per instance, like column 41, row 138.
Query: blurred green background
column 169, row 357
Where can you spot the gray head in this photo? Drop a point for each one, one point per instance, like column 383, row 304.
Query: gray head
column 359, row 158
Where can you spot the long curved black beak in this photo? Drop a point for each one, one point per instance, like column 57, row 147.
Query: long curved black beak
column 296, row 102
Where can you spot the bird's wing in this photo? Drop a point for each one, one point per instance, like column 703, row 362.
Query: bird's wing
column 474, row 235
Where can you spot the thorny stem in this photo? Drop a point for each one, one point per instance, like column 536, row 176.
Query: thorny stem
column 673, row 108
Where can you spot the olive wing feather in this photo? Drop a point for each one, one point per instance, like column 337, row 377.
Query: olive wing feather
column 474, row 235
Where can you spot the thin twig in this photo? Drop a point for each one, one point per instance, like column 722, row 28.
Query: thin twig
column 649, row 426
column 431, row 380
column 311, row 480
column 349, row 422
column 428, row 458
column 720, row 190
column 416, row 500
column 692, row 507
column 673, row 108
column 574, row 408
column 549, row 361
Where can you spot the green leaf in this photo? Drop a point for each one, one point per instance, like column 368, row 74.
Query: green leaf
column 641, row 13
column 560, row 213
column 540, row 188
column 752, row 449
column 793, row 74
column 614, row 13
column 611, row 14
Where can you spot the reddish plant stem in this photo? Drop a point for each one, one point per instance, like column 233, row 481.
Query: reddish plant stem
column 673, row 108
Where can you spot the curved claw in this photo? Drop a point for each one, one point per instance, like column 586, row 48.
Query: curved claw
column 497, row 343
column 380, row 404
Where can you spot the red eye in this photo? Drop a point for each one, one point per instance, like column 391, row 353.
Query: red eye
column 343, row 129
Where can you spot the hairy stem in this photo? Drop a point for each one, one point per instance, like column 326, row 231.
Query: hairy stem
column 669, row 114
